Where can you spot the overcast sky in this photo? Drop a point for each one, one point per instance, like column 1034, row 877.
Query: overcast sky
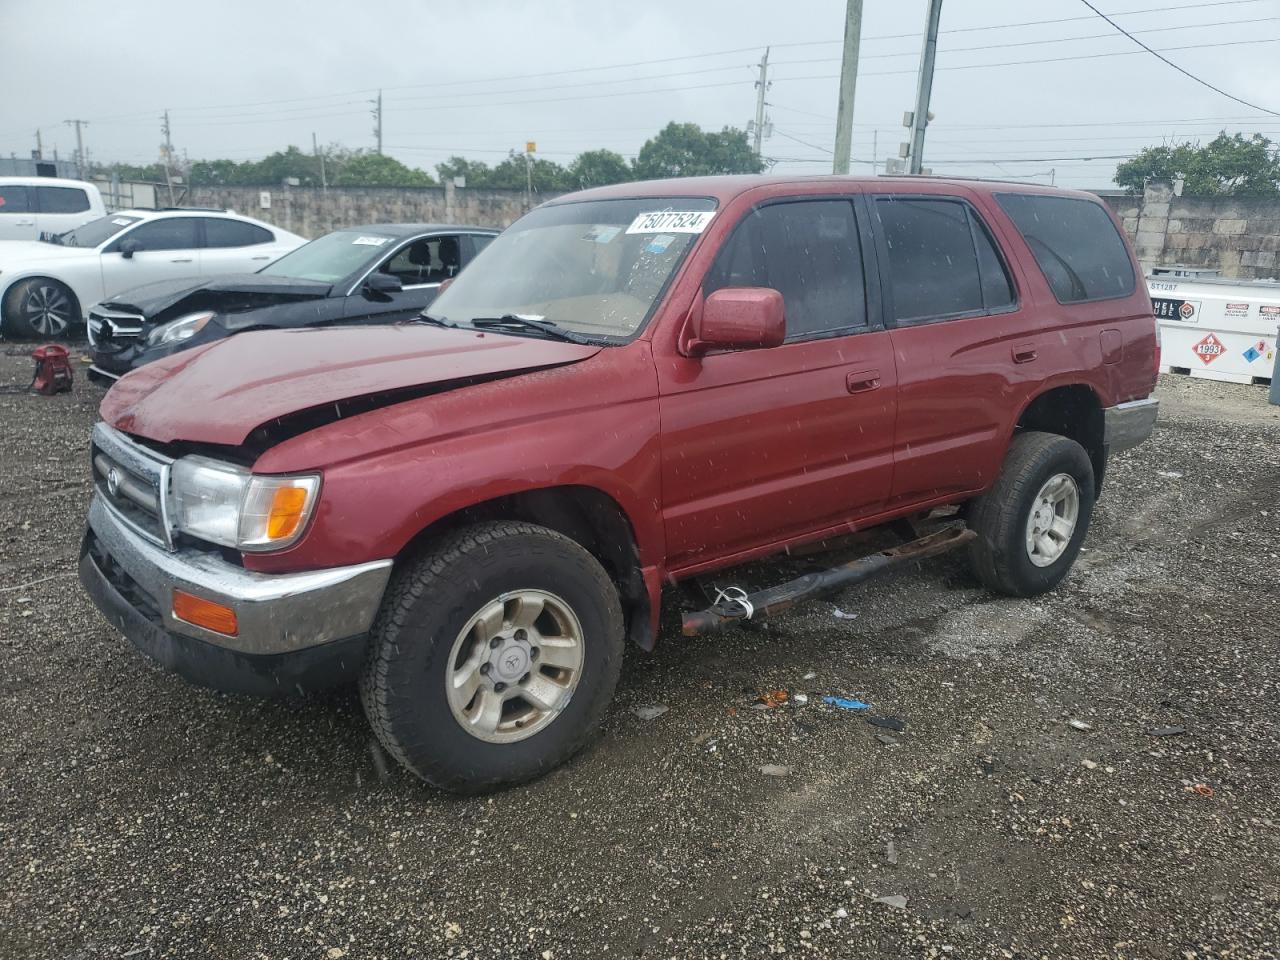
column 243, row 79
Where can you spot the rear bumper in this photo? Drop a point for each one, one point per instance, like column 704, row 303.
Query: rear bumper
column 1128, row 424
column 296, row 631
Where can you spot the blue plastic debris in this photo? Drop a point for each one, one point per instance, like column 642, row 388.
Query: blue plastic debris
column 844, row 703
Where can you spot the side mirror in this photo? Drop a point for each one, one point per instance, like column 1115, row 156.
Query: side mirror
column 128, row 248
column 383, row 283
column 738, row 318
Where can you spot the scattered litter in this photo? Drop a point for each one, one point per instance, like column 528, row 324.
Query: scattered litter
column 800, row 698
column 891, row 854
column 1168, row 731
column 1169, row 474
column 811, row 675
column 897, row 901
column 988, row 765
column 841, row 913
column 889, row 723
column 772, row 698
column 1079, row 725
column 1088, row 765
column 842, row 615
column 844, row 703
column 887, row 740
column 452, row 931
column 1202, row 789
column 651, row 712
column 776, row 770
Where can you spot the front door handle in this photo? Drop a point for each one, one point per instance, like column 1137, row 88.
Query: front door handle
column 1024, row 353
column 263, row 257
column 862, row 381
column 181, row 260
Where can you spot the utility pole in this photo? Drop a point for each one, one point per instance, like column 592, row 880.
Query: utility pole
column 875, row 152
column 848, row 83
column 924, row 89
column 529, row 148
column 377, row 119
column 167, row 149
column 79, row 142
column 315, row 148
column 762, row 85
column 39, row 145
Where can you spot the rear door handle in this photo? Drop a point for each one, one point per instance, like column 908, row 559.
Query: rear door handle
column 1024, row 353
column 181, row 260
column 263, row 257
column 862, row 381
column 25, row 223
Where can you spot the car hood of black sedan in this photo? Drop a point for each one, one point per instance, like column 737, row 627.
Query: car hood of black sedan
column 167, row 299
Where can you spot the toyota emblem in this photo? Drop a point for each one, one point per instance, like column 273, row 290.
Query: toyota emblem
column 113, row 481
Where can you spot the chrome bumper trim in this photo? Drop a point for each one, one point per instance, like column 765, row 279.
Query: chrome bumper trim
column 1128, row 424
column 277, row 613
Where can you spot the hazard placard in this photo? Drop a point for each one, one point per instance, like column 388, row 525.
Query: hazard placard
column 1209, row 349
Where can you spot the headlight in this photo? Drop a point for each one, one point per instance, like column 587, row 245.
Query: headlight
column 184, row 328
column 230, row 506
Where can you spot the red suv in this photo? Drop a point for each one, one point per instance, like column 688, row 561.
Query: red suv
column 631, row 386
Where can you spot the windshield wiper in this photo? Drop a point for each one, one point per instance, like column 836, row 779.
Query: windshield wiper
column 433, row 321
column 513, row 321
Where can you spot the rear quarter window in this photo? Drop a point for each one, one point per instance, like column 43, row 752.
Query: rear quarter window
column 1075, row 243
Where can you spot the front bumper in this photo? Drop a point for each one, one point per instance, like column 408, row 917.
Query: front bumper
column 1128, row 424
column 296, row 631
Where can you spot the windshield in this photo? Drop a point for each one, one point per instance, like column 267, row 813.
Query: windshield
column 95, row 232
column 596, row 268
column 331, row 257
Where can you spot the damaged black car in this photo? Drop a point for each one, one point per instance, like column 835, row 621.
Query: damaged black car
column 382, row 273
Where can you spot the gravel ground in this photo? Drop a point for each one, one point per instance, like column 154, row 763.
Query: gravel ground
column 140, row 817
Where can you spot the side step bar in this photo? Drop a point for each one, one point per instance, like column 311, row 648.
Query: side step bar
column 773, row 600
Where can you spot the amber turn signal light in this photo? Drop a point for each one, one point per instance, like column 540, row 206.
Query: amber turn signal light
column 285, row 516
column 205, row 613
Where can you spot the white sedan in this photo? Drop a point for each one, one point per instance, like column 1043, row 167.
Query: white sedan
column 46, row 286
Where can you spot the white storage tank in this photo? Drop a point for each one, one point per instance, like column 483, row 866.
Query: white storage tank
column 1216, row 328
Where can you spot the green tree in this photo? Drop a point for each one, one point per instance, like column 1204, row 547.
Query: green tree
column 476, row 172
column 547, row 175
column 214, row 173
column 598, row 168
column 379, row 170
column 685, row 150
column 1226, row 166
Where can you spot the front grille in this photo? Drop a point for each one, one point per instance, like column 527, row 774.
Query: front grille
column 134, row 481
column 111, row 328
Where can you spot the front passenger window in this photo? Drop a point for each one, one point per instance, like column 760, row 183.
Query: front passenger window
column 808, row 251
column 171, row 233
column 432, row 260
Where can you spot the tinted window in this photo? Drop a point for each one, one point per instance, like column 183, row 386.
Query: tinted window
column 997, row 291
column 933, row 264
column 14, row 200
column 806, row 250
column 62, row 200
column 479, row 241
column 431, row 260
column 175, row 233
column 1076, row 245
column 233, row 233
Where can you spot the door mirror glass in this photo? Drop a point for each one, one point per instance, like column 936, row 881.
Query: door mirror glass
column 128, row 248
column 383, row 283
column 739, row 318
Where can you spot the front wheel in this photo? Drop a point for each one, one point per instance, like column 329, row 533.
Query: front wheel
column 39, row 309
column 1033, row 520
column 493, row 656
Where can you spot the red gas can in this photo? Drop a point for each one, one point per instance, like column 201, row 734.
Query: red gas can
column 53, row 369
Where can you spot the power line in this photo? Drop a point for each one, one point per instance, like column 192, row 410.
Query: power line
column 1181, row 70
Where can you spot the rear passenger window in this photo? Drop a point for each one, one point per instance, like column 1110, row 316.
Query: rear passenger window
column 1075, row 243
column 942, row 261
column 14, row 200
column 62, row 200
column 233, row 233
column 808, row 251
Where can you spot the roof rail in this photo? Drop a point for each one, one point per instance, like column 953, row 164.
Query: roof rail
column 194, row 209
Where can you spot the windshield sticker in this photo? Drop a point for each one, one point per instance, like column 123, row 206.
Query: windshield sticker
column 369, row 241
column 671, row 221
column 601, row 233
column 122, row 221
column 659, row 243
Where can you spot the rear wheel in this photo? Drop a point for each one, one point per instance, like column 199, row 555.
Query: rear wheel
column 493, row 656
column 40, row 308
column 1033, row 520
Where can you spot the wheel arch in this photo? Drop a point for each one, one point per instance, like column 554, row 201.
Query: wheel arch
column 1075, row 411
column 585, row 514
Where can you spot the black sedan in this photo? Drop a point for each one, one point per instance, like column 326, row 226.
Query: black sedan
column 376, row 274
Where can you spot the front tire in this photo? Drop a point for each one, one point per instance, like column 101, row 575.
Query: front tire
column 40, row 309
column 1033, row 520
column 493, row 657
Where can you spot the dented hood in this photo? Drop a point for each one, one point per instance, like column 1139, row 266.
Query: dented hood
column 219, row 393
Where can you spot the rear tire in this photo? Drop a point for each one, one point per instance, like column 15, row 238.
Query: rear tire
column 40, row 309
column 493, row 656
column 1033, row 520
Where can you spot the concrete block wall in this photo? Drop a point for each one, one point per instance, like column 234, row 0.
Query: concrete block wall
column 1239, row 236
column 312, row 211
